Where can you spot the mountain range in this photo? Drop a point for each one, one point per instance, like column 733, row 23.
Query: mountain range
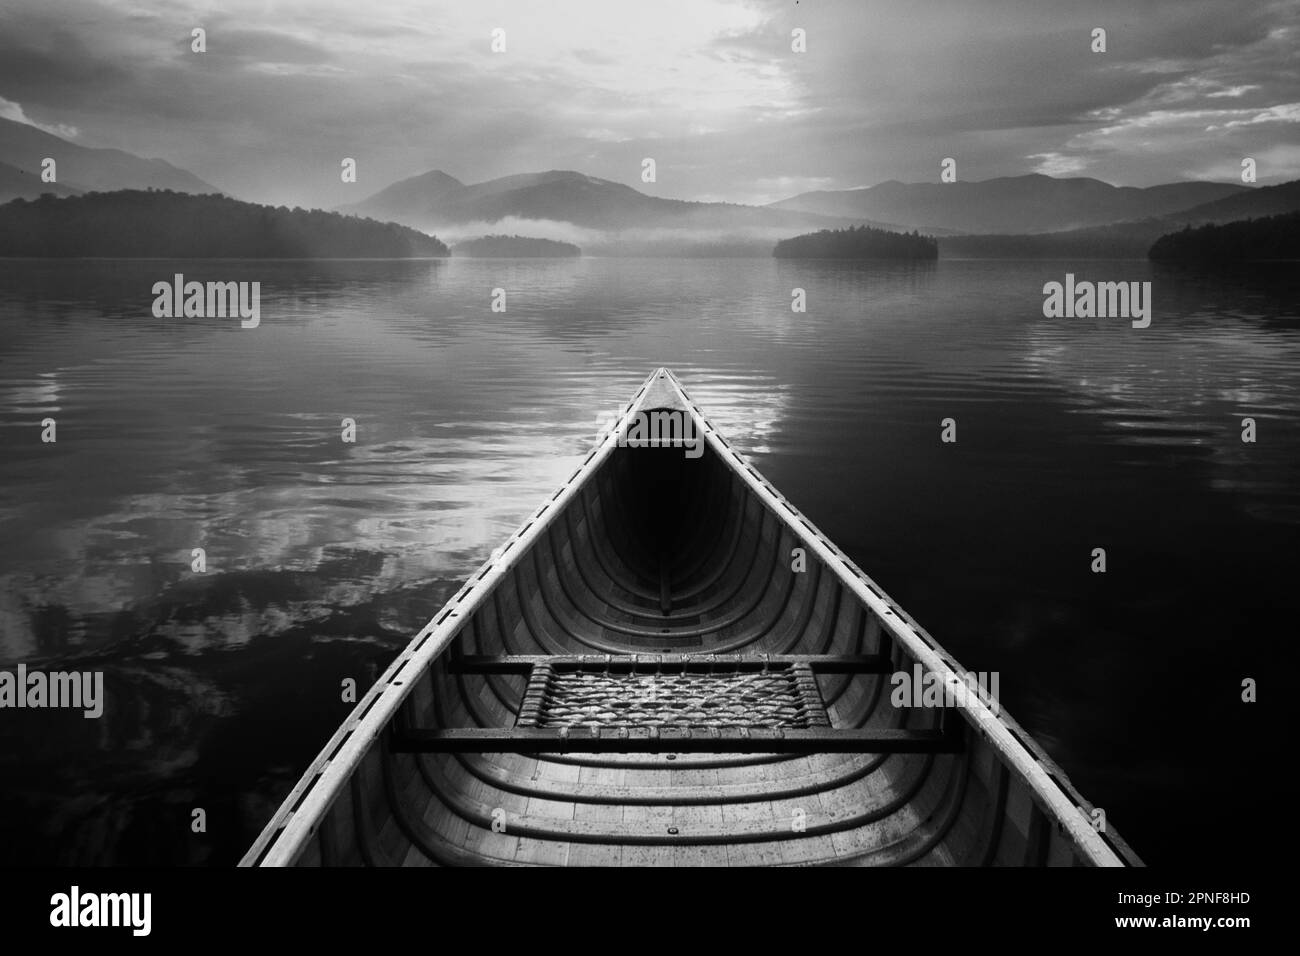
column 1019, row 212
column 1020, row 215
column 600, row 214
column 80, row 168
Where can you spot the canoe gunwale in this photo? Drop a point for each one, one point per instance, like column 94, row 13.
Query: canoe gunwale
column 1013, row 744
column 328, row 776
column 311, row 798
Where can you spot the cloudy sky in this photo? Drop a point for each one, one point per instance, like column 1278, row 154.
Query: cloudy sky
column 709, row 88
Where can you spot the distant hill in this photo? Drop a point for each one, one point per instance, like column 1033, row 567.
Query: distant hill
column 81, row 168
column 521, row 247
column 164, row 224
column 1122, row 240
column 1273, row 237
column 407, row 197
column 860, row 242
column 18, row 183
column 618, row 217
column 1264, row 201
column 1010, row 205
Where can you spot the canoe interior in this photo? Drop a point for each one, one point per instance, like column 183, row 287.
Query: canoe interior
column 653, row 552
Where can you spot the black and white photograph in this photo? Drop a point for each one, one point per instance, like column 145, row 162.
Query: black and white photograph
column 672, row 435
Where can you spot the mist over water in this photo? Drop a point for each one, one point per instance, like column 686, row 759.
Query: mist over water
column 323, row 558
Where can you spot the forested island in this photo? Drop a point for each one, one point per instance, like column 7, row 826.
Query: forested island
column 132, row 223
column 1273, row 237
column 522, row 247
column 858, row 242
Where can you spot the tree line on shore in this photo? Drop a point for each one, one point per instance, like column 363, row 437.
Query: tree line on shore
column 1272, row 237
column 165, row 224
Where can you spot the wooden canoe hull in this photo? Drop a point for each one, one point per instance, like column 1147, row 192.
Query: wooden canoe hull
column 680, row 560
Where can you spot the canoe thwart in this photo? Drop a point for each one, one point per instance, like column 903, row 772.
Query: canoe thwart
column 730, row 740
column 674, row 703
column 650, row 663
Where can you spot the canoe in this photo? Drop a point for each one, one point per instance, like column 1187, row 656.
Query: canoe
column 668, row 664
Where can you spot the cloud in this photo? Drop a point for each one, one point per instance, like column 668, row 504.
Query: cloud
column 710, row 88
column 1233, row 91
column 769, row 189
column 1058, row 164
column 1269, row 160
column 13, row 111
column 1286, row 113
column 1182, row 127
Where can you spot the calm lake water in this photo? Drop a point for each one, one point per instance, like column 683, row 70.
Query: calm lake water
column 324, row 557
